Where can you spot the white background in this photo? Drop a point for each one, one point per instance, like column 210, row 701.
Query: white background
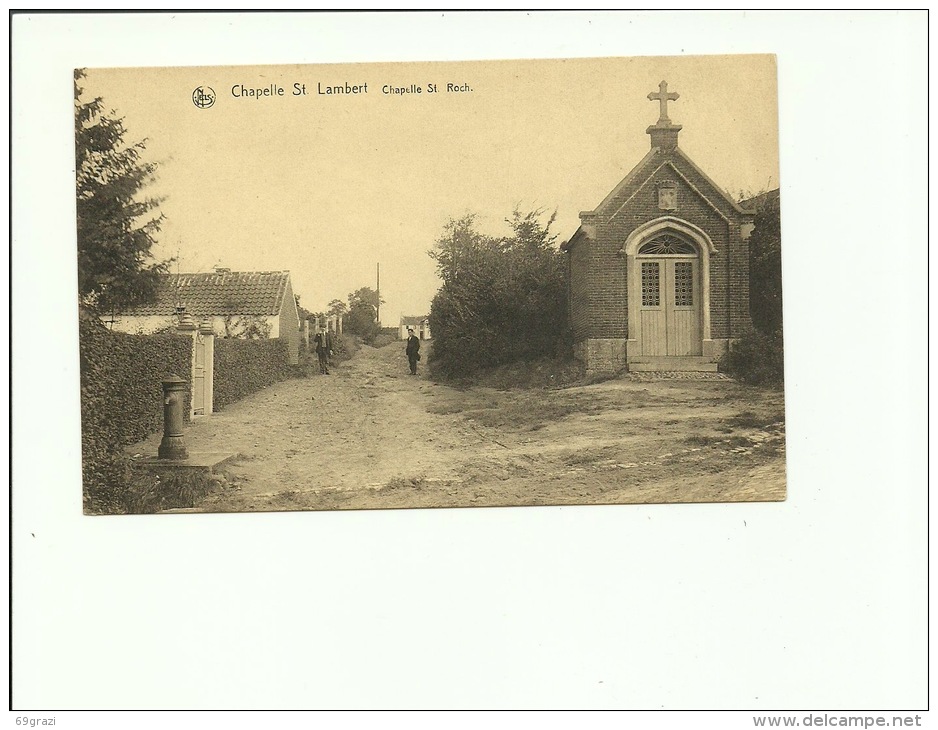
column 818, row 603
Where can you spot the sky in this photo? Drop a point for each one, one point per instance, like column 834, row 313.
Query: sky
column 334, row 186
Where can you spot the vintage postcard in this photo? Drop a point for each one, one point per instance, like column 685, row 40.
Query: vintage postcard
column 410, row 285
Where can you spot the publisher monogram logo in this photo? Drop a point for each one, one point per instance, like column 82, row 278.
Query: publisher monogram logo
column 203, row 97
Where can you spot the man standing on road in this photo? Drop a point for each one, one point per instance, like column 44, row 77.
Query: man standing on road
column 413, row 350
column 323, row 340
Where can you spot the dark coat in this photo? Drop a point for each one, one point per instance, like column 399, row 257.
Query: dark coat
column 413, row 346
column 323, row 342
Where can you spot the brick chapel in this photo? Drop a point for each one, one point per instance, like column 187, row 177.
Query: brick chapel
column 659, row 271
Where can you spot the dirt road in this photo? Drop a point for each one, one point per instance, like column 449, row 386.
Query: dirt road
column 372, row 436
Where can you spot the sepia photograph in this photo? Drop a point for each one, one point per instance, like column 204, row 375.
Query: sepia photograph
column 434, row 362
column 369, row 286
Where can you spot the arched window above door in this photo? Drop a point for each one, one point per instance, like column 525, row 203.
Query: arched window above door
column 666, row 244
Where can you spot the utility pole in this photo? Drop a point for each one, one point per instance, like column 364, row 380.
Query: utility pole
column 378, row 292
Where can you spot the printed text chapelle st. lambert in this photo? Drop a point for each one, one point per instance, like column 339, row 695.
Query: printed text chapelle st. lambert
column 344, row 89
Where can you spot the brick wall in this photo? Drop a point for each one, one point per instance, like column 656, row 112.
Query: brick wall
column 608, row 292
column 740, row 319
column 599, row 296
column 578, row 261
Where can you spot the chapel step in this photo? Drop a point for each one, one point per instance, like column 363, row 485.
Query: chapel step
column 671, row 364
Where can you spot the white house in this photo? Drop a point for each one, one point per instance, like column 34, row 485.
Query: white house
column 257, row 304
column 420, row 325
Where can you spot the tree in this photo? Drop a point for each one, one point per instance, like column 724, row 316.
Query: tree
column 530, row 234
column 503, row 299
column 361, row 321
column 758, row 356
column 459, row 247
column 765, row 266
column 337, row 308
column 363, row 314
column 116, row 224
column 365, row 295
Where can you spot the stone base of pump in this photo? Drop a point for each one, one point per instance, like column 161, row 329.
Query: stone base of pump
column 205, row 460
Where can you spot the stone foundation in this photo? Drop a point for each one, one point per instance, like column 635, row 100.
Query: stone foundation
column 602, row 355
column 714, row 349
column 612, row 355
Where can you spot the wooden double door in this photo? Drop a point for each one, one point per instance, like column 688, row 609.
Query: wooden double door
column 669, row 311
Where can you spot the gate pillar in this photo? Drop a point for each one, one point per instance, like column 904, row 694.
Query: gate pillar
column 187, row 326
column 206, row 340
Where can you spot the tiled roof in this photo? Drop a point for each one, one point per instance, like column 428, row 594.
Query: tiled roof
column 757, row 202
column 257, row 293
column 413, row 320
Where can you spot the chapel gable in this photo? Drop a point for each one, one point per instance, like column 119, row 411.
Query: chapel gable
column 666, row 182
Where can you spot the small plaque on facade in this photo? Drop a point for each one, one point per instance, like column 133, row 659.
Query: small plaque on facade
column 667, row 198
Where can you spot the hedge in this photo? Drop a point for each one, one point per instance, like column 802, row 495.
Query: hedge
column 243, row 367
column 121, row 402
column 756, row 359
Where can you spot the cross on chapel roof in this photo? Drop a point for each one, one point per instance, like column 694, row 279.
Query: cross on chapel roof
column 664, row 133
column 663, row 97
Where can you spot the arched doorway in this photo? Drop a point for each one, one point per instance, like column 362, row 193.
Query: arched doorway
column 670, row 297
column 668, row 289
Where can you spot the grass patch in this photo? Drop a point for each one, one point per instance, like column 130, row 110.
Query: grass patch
column 445, row 409
column 384, row 339
column 601, row 377
column 772, row 448
column 149, row 492
column 526, row 411
column 746, row 419
column 405, row 483
column 288, row 496
column 578, row 458
column 465, row 401
column 518, row 409
column 544, row 373
column 704, row 440
column 750, row 419
column 732, row 441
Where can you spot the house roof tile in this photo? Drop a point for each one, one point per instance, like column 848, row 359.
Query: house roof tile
column 756, row 203
column 413, row 320
column 258, row 293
